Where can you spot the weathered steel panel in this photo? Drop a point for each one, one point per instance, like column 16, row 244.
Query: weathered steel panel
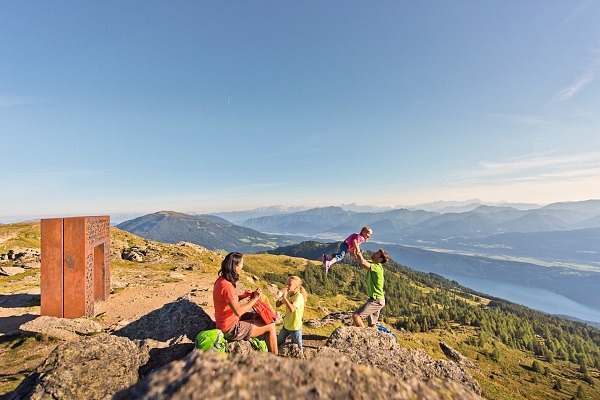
column 51, row 302
column 75, row 271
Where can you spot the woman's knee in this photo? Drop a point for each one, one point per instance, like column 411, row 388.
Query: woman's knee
column 268, row 329
column 272, row 329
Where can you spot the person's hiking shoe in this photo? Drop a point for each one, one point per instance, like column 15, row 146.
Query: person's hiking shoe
column 327, row 266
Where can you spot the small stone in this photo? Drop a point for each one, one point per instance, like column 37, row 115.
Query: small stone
column 11, row 271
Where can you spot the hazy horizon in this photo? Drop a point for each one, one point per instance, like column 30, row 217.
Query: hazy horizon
column 440, row 204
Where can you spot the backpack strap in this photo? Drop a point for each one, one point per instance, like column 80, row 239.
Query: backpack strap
column 218, row 339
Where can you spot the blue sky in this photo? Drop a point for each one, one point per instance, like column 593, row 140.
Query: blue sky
column 142, row 106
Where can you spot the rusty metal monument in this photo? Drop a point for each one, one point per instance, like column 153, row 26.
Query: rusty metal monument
column 75, row 265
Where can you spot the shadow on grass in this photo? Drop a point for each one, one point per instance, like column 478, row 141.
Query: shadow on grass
column 19, row 300
column 12, row 324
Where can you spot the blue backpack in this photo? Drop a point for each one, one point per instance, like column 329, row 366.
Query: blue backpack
column 386, row 330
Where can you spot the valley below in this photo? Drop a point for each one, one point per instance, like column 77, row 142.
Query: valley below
column 558, row 288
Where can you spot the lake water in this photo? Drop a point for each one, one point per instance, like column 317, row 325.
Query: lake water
column 538, row 299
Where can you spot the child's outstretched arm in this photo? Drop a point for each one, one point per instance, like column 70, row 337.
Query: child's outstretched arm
column 356, row 247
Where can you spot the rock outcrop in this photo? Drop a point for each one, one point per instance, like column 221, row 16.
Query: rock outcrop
column 372, row 347
column 330, row 319
column 458, row 358
column 292, row 350
column 168, row 333
column 60, row 328
column 23, row 257
column 141, row 253
column 180, row 317
column 202, row 375
column 355, row 363
column 95, row 367
column 11, row 271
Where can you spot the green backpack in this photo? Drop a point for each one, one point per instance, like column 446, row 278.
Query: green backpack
column 211, row 339
column 258, row 344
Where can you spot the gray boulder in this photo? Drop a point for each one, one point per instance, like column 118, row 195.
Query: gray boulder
column 169, row 332
column 202, row 375
column 458, row 358
column 24, row 255
column 132, row 255
column 11, row 271
column 180, row 317
column 32, row 265
column 332, row 318
column 161, row 353
column 379, row 349
column 291, row 350
column 60, row 328
column 241, row 347
column 94, row 367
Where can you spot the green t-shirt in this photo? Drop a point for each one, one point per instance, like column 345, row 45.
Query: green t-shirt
column 293, row 321
column 375, row 281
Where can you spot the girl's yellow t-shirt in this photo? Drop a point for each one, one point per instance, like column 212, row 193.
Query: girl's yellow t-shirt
column 292, row 321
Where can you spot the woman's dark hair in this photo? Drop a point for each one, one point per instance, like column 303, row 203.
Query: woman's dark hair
column 228, row 266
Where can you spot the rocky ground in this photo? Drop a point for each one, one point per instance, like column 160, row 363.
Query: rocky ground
column 136, row 294
column 145, row 276
column 151, row 319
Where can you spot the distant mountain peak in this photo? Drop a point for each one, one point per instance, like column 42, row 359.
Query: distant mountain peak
column 209, row 231
column 588, row 206
column 171, row 213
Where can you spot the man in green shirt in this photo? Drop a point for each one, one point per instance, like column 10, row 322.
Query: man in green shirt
column 373, row 306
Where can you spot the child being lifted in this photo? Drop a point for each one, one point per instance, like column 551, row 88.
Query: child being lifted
column 351, row 243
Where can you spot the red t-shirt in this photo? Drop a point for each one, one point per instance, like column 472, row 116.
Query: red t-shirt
column 224, row 292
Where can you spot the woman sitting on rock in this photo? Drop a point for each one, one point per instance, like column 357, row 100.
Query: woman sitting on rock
column 234, row 319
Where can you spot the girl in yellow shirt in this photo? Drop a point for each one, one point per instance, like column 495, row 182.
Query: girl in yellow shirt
column 294, row 297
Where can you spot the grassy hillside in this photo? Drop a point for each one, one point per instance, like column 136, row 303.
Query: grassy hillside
column 23, row 234
column 528, row 352
column 520, row 353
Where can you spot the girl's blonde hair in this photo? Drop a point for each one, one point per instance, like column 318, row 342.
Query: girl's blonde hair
column 297, row 279
column 366, row 229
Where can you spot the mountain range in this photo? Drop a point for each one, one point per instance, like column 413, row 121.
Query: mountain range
column 555, row 248
column 566, row 232
column 210, row 231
